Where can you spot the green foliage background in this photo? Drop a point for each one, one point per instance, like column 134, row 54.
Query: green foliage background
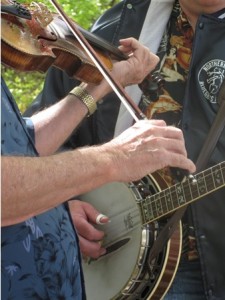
column 26, row 86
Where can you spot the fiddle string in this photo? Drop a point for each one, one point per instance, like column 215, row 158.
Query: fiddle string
column 132, row 108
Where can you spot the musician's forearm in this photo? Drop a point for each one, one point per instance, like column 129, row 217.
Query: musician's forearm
column 38, row 184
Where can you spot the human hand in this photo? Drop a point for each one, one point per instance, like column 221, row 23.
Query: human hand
column 129, row 71
column 140, row 63
column 84, row 217
column 147, row 146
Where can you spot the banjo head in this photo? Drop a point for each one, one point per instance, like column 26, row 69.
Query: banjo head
column 108, row 275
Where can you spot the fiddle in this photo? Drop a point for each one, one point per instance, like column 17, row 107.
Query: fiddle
column 33, row 42
column 33, row 39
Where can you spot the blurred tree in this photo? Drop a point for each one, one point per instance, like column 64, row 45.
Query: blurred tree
column 26, row 86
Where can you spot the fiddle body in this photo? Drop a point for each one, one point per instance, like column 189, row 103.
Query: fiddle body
column 43, row 40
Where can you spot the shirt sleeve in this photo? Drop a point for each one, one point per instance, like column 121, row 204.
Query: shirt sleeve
column 30, row 128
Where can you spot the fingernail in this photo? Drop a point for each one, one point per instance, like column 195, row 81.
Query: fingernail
column 99, row 218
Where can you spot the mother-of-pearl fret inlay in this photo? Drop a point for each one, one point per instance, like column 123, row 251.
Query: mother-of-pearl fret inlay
column 193, row 188
column 218, row 178
column 180, row 194
column 201, row 184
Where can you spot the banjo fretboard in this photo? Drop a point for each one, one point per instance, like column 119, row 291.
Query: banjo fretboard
column 193, row 188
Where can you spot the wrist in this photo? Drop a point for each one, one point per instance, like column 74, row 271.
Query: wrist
column 85, row 97
column 98, row 91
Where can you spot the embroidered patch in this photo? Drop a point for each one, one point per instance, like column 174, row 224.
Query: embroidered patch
column 210, row 78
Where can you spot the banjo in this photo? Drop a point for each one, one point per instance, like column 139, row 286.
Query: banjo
column 137, row 212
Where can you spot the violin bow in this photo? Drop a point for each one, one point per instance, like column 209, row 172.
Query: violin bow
column 133, row 109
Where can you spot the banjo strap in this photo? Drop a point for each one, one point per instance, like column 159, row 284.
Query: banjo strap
column 206, row 151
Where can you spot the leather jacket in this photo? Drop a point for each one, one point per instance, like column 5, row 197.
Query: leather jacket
column 124, row 20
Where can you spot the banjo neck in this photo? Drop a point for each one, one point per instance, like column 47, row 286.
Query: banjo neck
column 172, row 198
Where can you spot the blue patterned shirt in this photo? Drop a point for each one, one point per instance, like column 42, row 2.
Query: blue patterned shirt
column 40, row 257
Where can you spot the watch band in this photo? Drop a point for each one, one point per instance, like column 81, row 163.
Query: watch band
column 86, row 98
